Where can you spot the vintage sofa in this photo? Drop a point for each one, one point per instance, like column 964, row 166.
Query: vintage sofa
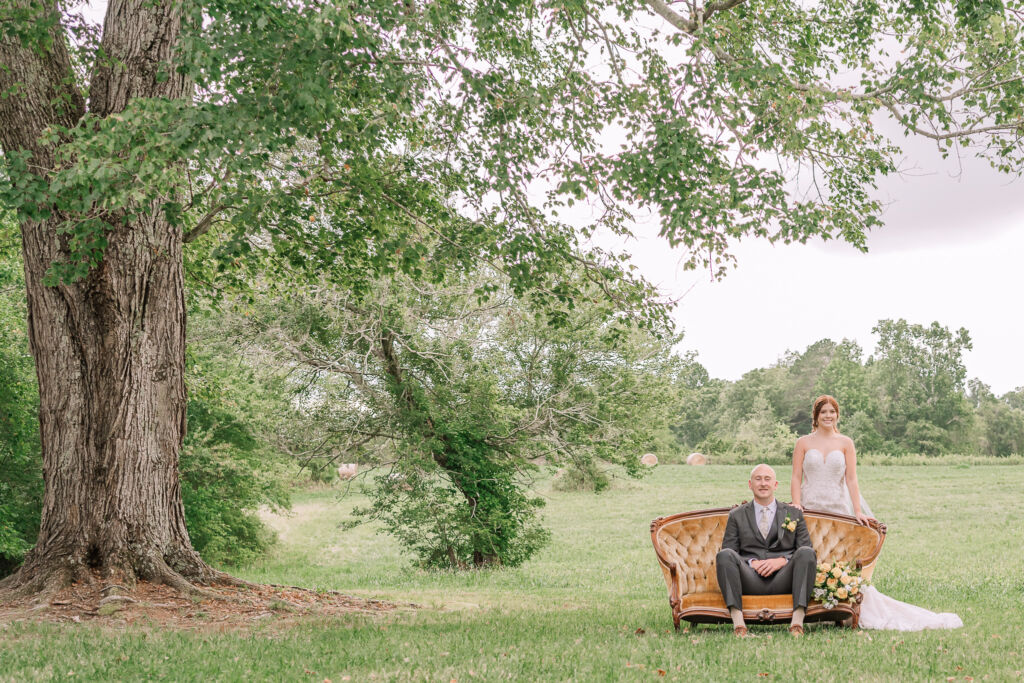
column 687, row 543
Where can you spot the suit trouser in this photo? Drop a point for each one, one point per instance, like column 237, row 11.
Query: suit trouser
column 736, row 577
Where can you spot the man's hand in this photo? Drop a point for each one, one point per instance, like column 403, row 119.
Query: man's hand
column 768, row 567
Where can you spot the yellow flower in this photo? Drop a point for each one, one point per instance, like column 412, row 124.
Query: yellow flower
column 820, row 578
column 842, row 593
column 831, row 583
column 854, row 589
column 845, row 578
column 837, row 571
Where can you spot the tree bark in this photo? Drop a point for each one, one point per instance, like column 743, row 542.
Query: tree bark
column 110, row 348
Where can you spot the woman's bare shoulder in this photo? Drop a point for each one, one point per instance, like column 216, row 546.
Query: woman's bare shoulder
column 804, row 440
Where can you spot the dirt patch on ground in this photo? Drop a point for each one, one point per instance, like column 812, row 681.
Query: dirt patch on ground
column 224, row 608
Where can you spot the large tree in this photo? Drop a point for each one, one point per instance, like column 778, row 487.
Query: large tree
column 109, row 347
column 454, row 401
column 333, row 135
column 921, row 379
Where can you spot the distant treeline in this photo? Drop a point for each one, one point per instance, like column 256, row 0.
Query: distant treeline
column 911, row 396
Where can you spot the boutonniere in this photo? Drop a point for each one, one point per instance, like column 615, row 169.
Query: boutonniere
column 789, row 524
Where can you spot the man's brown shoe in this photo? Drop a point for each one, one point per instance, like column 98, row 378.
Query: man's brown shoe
column 797, row 630
column 740, row 631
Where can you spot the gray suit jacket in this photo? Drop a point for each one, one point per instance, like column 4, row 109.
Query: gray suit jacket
column 743, row 536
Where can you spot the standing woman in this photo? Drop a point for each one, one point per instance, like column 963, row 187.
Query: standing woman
column 825, row 466
column 825, row 478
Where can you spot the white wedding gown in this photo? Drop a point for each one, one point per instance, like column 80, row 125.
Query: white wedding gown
column 824, row 488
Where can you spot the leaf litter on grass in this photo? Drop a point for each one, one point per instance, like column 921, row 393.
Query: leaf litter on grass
column 222, row 608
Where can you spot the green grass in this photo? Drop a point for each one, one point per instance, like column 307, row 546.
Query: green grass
column 955, row 544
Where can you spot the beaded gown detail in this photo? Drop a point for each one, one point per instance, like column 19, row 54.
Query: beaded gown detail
column 823, row 487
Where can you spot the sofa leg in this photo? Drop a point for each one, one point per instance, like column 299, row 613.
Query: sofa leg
column 675, row 618
column 855, row 620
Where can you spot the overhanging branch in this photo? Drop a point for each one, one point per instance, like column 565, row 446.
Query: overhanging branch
column 880, row 96
column 204, row 224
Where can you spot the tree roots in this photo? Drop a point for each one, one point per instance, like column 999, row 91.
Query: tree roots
column 39, row 581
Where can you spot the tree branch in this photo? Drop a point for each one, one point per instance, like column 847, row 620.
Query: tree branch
column 713, row 8
column 693, row 27
column 1016, row 125
column 203, row 226
column 671, row 16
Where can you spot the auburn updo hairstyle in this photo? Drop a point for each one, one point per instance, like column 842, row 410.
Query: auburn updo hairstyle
column 820, row 403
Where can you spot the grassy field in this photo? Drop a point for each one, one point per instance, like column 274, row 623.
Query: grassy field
column 956, row 542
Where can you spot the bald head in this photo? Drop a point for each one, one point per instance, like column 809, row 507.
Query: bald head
column 763, row 484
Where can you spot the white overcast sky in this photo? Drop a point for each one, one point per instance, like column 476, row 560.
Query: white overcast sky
column 951, row 251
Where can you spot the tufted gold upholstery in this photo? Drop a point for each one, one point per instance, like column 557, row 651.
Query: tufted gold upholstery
column 692, row 544
column 687, row 543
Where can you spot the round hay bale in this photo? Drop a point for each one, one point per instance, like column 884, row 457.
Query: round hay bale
column 696, row 459
column 649, row 459
column 348, row 470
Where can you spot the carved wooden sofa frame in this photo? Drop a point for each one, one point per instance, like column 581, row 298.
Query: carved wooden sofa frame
column 687, row 543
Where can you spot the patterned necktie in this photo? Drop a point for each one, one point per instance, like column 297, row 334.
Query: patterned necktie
column 765, row 524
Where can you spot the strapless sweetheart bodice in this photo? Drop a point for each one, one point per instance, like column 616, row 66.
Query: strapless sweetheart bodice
column 824, row 482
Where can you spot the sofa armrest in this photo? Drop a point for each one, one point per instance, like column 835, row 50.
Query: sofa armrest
column 681, row 577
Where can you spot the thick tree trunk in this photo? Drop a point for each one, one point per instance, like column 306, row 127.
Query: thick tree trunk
column 110, row 348
column 110, row 354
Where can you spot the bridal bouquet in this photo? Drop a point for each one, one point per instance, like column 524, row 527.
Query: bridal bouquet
column 837, row 582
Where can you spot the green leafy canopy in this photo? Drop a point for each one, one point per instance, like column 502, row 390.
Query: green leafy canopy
column 334, row 136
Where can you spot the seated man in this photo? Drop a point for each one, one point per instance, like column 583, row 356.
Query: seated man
column 766, row 550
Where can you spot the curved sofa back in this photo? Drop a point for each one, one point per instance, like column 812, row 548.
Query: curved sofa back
column 686, row 544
